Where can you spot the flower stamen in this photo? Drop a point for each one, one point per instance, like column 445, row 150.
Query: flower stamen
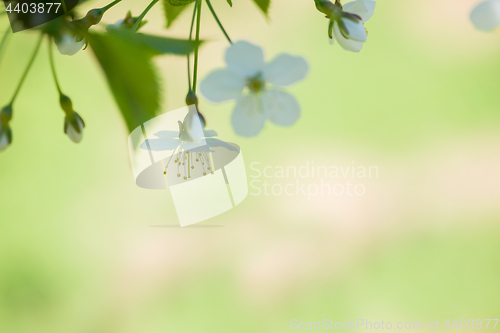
column 256, row 84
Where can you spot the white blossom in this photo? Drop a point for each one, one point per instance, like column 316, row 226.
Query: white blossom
column 190, row 146
column 348, row 26
column 190, row 137
column 256, row 86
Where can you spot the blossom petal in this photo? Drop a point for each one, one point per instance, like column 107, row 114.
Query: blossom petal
column 4, row 141
column 280, row 107
column 285, row 70
column 486, row 15
column 362, row 8
column 356, row 30
column 245, row 58
column 347, row 44
column 167, row 134
column 197, row 149
column 67, row 44
column 222, row 85
column 209, row 133
column 161, row 144
column 71, row 131
column 248, row 116
column 220, row 143
column 192, row 125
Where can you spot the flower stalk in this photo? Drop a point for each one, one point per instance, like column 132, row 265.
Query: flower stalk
column 197, row 47
column 143, row 14
column 190, row 39
column 52, row 67
column 105, row 8
column 3, row 42
column 26, row 71
column 218, row 21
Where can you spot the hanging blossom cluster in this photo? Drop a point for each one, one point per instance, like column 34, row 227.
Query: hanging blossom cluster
column 257, row 86
column 68, row 36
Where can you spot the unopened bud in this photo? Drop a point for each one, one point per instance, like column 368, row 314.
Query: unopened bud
column 66, row 104
column 6, row 114
column 94, row 16
column 191, row 98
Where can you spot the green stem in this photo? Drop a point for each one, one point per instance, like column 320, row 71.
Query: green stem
column 141, row 17
column 218, row 21
column 190, row 38
column 26, row 71
column 4, row 42
column 64, row 6
column 105, row 8
column 53, row 67
column 197, row 46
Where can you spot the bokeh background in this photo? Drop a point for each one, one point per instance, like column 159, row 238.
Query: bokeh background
column 82, row 249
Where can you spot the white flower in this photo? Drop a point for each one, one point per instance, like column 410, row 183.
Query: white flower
column 188, row 138
column 73, row 127
column 67, row 43
column 346, row 25
column 187, row 145
column 248, row 79
column 486, row 15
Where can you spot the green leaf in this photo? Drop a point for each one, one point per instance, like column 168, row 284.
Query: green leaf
column 172, row 12
column 264, row 5
column 155, row 45
column 230, row 3
column 131, row 76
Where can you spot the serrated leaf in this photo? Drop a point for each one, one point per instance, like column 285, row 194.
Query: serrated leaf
column 156, row 45
column 264, row 5
column 230, row 3
column 131, row 76
column 172, row 12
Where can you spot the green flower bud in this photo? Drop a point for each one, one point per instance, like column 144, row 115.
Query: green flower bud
column 66, row 104
column 94, row 16
column 180, row 2
column 6, row 115
column 82, row 26
column 191, row 98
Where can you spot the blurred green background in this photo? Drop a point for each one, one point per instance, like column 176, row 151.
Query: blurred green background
column 80, row 250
